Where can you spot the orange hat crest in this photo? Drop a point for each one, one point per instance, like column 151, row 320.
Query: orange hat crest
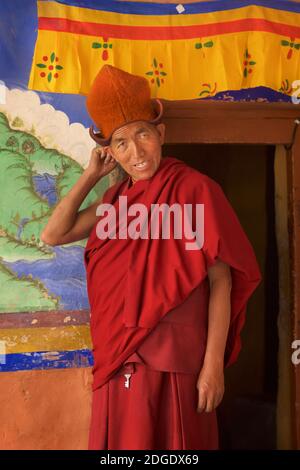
column 117, row 98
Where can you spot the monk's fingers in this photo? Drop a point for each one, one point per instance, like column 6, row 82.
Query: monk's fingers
column 99, row 151
column 209, row 403
column 102, row 152
column 109, row 159
column 201, row 404
column 202, row 398
column 213, row 401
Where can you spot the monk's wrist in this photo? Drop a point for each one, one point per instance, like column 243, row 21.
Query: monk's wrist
column 214, row 360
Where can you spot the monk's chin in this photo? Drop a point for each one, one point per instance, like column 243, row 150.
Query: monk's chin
column 142, row 175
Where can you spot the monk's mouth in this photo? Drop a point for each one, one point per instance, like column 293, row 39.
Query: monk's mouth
column 141, row 165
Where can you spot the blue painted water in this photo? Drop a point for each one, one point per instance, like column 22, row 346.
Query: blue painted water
column 21, row 226
column 64, row 275
column 45, row 186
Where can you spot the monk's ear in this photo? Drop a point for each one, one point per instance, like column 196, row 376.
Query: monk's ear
column 111, row 152
column 161, row 128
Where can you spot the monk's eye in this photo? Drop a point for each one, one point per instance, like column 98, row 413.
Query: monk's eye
column 121, row 146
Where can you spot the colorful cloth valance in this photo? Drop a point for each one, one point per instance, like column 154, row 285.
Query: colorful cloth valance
column 190, row 51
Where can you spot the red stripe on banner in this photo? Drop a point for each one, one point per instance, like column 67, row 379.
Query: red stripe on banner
column 166, row 32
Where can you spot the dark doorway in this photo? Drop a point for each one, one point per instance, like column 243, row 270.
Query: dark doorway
column 247, row 415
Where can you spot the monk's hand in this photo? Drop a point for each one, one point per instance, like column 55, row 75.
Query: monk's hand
column 210, row 386
column 101, row 162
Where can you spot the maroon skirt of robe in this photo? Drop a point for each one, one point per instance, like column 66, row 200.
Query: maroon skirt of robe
column 159, row 408
column 157, row 411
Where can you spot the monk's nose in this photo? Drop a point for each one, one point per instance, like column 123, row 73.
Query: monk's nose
column 137, row 151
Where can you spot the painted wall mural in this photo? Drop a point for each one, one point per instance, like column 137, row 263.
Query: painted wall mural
column 49, row 53
column 41, row 157
column 38, row 166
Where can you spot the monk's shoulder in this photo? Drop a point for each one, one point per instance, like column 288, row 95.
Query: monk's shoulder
column 113, row 191
column 192, row 180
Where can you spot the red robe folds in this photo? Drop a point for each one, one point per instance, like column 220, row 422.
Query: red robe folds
column 159, row 409
column 133, row 284
column 149, row 297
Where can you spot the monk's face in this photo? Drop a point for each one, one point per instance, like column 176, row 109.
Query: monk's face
column 137, row 148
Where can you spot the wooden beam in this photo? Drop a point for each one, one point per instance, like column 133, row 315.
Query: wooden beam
column 193, row 121
column 294, row 241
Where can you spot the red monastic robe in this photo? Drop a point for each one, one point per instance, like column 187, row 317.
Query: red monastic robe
column 149, row 312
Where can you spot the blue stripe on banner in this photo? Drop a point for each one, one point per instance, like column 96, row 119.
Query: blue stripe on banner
column 46, row 360
column 170, row 9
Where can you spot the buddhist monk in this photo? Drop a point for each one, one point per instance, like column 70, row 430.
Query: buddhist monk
column 167, row 307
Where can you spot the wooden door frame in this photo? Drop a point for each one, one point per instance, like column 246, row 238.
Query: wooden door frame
column 220, row 122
